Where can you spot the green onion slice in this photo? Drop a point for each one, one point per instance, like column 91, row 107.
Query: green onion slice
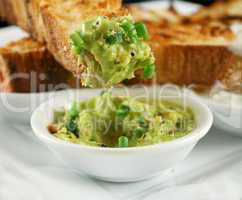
column 74, row 111
column 130, row 30
column 142, row 122
column 139, row 132
column 123, row 111
column 77, row 42
column 115, row 38
column 123, row 142
column 149, row 71
column 142, row 31
column 72, row 127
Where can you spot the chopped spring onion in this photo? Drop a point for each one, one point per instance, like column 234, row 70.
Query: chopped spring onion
column 139, row 132
column 74, row 111
column 115, row 38
column 130, row 30
column 142, row 31
column 149, row 71
column 72, row 127
column 77, row 42
column 142, row 122
column 123, row 111
column 123, row 141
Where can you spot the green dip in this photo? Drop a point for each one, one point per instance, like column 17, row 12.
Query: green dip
column 112, row 121
column 112, row 49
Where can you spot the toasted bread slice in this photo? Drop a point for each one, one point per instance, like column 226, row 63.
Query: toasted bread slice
column 27, row 66
column 160, row 17
column 53, row 21
column 26, row 13
column 223, row 10
column 199, row 67
column 197, row 54
column 15, row 12
column 62, row 20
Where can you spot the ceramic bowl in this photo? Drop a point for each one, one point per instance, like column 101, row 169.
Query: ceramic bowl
column 122, row 164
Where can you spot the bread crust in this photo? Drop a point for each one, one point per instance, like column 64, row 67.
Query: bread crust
column 27, row 66
column 59, row 26
column 198, row 66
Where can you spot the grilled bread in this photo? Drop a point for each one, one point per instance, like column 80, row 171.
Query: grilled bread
column 155, row 16
column 62, row 20
column 197, row 54
column 26, row 13
column 222, row 10
column 15, row 12
column 27, row 66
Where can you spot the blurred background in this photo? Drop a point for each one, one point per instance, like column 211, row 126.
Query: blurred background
column 204, row 2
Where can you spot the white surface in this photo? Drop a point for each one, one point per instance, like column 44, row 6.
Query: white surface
column 122, row 165
column 10, row 34
column 182, row 7
column 29, row 171
column 236, row 46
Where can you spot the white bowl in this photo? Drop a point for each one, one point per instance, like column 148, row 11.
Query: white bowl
column 227, row 110
column 121, row 164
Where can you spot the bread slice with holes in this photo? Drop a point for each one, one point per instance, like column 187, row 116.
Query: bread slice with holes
column 27, row 66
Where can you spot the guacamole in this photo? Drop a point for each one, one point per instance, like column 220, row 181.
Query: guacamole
column 112, row 121
column 112, row 49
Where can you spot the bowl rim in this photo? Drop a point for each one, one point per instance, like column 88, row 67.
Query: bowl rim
column 210, row 101
column 198, row 133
